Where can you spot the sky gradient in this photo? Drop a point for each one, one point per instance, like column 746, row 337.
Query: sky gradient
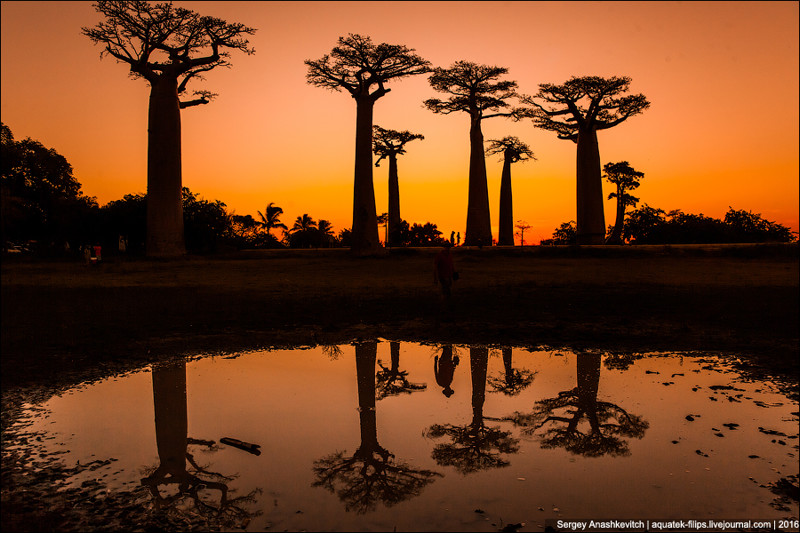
column 722, row 129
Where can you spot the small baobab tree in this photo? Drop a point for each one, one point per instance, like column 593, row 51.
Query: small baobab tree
column 476, row 90
column 576, row 111
column 168, row 47
column 626, row 179
column 513, row 151
column 363, row 68
column 389, row 144
column 522, row 226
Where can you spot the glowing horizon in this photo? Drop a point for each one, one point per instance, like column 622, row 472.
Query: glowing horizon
column 722, row 130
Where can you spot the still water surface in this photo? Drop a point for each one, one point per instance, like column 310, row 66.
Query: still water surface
column 384, row 435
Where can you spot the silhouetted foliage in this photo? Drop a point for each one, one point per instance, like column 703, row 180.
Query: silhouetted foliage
column 41, row 199
column 270, row 218
column 626, row 179
column 564, row 234
column 357, row 65
column 576, row 111
column 168, row 47
column 392, row 381
column 206, row 223
column 475, row 89
column 514, row 380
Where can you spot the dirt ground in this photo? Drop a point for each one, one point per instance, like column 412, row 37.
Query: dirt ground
column 61, row 318
column 64, row 323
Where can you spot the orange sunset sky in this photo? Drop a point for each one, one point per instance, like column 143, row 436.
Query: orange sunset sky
column 722, row 129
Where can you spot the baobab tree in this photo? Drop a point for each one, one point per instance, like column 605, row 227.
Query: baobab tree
column 576, row 111
column 389, row 144
column 626, row 179
column 168, row 47
column 522, row 226
column 476, row 90
column 513, row 151
column 363, row 68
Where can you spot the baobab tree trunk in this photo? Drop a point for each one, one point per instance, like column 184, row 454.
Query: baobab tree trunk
column 366, row 354
column 164, row 188
column 171, row 420
column 479, row 226
column 591, row 225
column 478, row 363
column 365, row 219
column 394, row 197
column 506, row 235
column 616, row 233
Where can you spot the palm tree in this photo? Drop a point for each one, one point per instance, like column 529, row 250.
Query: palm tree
column 270, row 218
column 303, row 223
column 325, row 229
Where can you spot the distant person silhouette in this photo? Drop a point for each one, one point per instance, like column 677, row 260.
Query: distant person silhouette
column 458, row 239
column 452, row 237
column 444, row 368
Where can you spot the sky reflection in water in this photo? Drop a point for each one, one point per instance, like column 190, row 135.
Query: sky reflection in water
column 382, row 435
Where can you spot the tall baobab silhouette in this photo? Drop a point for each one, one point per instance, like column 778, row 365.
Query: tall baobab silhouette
column 474, row 446
column 513, row 151
column 476, row 90
column 371, row 474
column 270, row 218
column 169, row 47
column 363, row 68
column 560, row 417
column 393, row 381
column 172, row 442
column 390, row 144
column 576, row 111
column 626, row 179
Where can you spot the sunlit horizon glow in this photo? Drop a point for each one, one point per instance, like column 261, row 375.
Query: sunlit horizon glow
column 722, row 129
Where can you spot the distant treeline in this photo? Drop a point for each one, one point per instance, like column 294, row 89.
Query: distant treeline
column 42, row 203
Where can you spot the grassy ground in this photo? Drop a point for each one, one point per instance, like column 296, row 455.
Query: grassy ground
column 61, row 318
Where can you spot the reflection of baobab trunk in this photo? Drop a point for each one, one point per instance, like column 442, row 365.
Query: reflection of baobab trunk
column 479, row 226
column 394, row 196
column 591, row 225
column 164, row 209
column 366, row 354
column 506, row 235
column 394, row 349
column 478, row 362
column 588, row 384
column 365, row 220
column 169, row 402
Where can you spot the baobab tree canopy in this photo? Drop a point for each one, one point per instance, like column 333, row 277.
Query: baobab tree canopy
column 386, row 142
column 511, row 148
column 584, row 102
column 356, row 64
column 161, row 39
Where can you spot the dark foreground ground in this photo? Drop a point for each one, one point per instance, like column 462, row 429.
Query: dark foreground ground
column 64, row 323
column 61, row 319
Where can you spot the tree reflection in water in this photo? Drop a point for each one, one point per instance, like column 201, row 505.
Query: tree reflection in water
column 191, row 497
column 560, row 418
column 393, row 381
column 371, row 474
column 474, row 446
column 514, row 380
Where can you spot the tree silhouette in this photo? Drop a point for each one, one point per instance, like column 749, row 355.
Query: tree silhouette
column 169, row 47
column 626, row 179
column 561, row 416
column 371, row 474
column 576, row 111
column 325, row 229
column 476, row 90
column 513, row 151
column 390, row 144
column 514, row 380
column 270, row 218
column 393, row 381
column 522, row 226
column 172, row 442
column 473, row 447
column 357, row 65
